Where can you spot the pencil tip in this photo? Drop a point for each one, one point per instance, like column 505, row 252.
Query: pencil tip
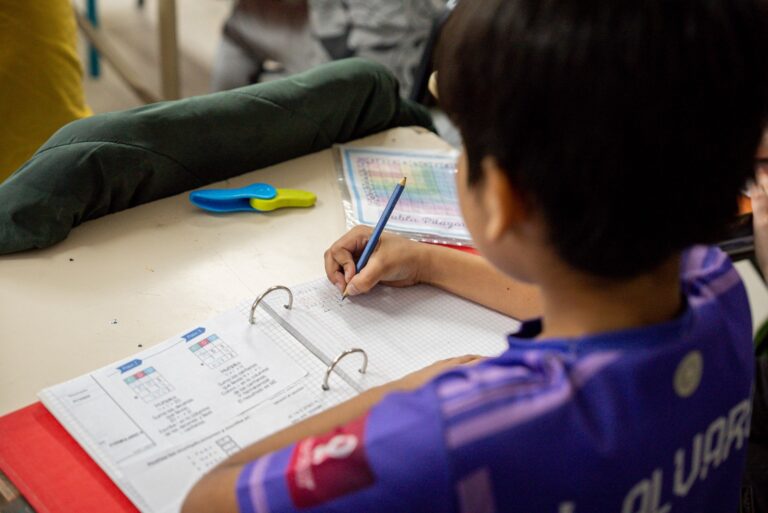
column 402, row 182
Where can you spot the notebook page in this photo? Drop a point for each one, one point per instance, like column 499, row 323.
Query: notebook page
column 156, row 443
column 401, row 330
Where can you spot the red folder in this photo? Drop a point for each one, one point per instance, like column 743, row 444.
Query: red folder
column 50, row 469
column 466, row 249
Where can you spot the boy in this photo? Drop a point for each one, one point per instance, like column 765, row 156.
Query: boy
column 602, row 139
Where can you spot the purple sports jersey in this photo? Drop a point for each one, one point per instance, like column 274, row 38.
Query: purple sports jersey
column 646, row 420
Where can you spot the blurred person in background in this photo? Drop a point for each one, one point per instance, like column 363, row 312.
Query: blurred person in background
column 40, row 76
column 300, row 34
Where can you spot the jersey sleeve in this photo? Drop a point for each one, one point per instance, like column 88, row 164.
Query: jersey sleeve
column 714, row 289
column 707, row 272
column 708, row 275
column 392, row 458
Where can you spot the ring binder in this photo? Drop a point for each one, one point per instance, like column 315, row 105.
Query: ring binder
column 330, row 368
column 265, row 294
column 297, row 345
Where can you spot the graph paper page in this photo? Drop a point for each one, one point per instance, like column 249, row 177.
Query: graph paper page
column 401, row 330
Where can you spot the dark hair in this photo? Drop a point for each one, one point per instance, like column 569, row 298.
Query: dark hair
column 631, row 124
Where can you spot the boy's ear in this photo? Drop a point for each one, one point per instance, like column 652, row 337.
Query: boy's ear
column 504, row 204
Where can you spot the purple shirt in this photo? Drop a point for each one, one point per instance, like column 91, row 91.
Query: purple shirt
column 646, row 420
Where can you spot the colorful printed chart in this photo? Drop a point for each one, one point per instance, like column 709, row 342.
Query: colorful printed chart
column 212, row 351
column 148, row 385
column 429, row 205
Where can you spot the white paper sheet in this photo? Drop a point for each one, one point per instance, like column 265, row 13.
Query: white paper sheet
column 157, row 421
column 401, row 330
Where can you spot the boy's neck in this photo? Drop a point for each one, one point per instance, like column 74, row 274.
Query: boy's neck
column 576, row 305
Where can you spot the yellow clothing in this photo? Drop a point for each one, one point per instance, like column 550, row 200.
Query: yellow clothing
column 40, row 76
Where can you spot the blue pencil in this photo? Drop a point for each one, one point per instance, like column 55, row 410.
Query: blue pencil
column 371, row 245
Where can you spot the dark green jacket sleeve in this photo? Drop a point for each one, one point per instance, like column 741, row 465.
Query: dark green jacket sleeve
column 115, row 161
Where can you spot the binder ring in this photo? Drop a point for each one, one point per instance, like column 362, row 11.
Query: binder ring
column 330, row 368
column 265, row 294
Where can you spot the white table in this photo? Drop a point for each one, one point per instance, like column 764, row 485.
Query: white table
column 126, row 281
column 139, row 276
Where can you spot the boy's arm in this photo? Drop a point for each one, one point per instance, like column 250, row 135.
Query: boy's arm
column 400, row 262
column 216, row 490
column 474, row 278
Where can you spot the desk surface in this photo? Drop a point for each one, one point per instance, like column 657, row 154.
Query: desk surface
column 129, row 280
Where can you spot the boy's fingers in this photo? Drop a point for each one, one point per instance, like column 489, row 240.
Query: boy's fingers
column 360, row 231
column 344, row 258
column 465, row 359
column 331, row 266
column 357, row 286
column 475, row 359
column 340, row 262
column 756, row 192
column 762, row 179
column 338, row 258
column 349, row 271
column 354, row 240
column 365, row 280
column 339, row 281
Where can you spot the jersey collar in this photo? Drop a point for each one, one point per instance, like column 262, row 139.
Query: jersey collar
column 634, row 338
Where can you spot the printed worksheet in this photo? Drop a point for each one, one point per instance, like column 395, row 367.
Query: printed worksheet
column 428, row 207
column 177, row 468
column 157, row 421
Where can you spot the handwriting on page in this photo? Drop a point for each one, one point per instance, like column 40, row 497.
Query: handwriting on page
column 318, row 299
column 401, row 329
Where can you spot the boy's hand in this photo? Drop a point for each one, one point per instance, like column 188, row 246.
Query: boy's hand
column 396, row 261
column 759, row 194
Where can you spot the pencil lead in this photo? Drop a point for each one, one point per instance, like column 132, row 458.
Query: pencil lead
column 402, row 182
